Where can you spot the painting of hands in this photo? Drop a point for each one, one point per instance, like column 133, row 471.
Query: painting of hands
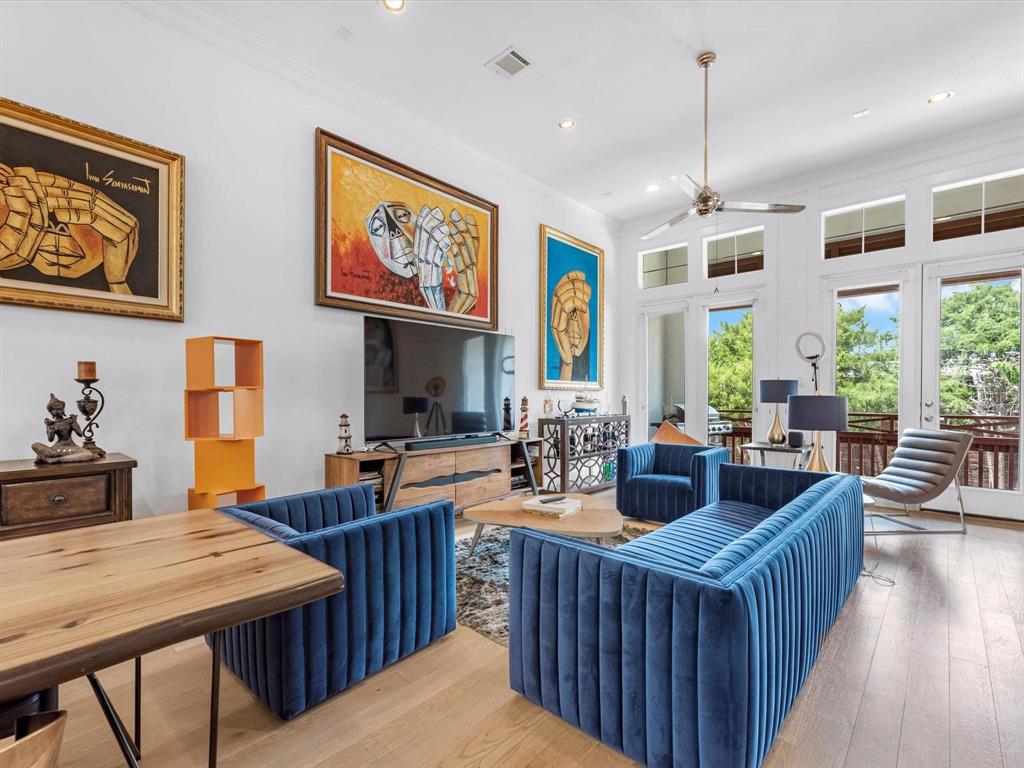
column 392, row 240
column 572, row 311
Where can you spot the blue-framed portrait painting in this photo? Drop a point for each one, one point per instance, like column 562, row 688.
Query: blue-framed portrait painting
column 571, row 312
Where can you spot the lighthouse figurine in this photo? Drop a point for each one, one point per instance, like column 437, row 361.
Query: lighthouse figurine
column 524, row 419
column 344, row 435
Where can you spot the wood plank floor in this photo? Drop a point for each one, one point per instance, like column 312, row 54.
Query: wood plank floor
column 927, row 673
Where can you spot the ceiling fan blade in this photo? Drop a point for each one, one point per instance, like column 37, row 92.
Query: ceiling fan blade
column 688, row 185
column 761, row 207
column 699, row 186
column 668, row 224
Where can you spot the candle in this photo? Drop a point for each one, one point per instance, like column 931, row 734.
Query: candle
column 86, row 369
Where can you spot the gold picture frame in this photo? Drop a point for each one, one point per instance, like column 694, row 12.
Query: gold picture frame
column 571, row 288
column 90, row 221
column 368, row 211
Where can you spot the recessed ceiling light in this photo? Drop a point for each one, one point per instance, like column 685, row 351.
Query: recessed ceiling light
column 941, row 96
column 653, row 187
column 862, row 113
column 566, row 124
column 394, row 6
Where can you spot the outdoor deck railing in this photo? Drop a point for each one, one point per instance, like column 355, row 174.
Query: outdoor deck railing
column 870, row 441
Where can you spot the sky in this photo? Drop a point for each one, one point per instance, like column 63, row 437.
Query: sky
column 718, row 317
column 881, row 309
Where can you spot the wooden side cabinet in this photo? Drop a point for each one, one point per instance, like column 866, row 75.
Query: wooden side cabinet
column 39, row 498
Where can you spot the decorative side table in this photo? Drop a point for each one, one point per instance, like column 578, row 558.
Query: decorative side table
column 579, row 453
column 799, row 454
column 40, row 498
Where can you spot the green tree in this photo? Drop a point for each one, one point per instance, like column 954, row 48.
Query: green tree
column 867, row 363
column 979, row 349
column 731, row 365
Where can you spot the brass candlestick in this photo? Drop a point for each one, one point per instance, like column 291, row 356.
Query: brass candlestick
column 90, row 409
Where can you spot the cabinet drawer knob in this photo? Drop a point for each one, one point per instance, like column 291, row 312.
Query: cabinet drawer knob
column 59, row 498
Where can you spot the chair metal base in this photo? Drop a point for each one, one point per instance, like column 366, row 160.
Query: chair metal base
column 913, row 529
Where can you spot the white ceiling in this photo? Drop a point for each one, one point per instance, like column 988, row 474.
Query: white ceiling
column 788, row 78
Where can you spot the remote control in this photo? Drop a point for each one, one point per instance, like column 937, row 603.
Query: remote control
column 551, row 499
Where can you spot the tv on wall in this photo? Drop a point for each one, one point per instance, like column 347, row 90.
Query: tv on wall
column 431, row 381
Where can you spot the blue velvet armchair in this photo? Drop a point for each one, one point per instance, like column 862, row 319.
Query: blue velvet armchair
column 399, row 595
column 662, row 482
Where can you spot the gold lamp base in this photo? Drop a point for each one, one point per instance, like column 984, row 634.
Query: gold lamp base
column 816, row 462
column 776, row 435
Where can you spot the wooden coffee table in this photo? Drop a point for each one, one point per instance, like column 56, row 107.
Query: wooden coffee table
column 597, row 519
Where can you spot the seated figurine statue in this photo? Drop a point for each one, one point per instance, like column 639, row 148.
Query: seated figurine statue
column 61, row 426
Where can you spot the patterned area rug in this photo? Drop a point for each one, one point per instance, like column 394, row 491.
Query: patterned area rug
column 481, row 580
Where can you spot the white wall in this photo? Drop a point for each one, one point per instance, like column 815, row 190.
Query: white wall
column 792, row 294
column 244, row 117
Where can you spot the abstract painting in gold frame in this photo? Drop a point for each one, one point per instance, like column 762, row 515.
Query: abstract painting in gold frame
column 571, row 312
column 392, row 240
column 89, row 220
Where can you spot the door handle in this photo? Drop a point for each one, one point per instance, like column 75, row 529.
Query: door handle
column 929, row 418
column 929, row 403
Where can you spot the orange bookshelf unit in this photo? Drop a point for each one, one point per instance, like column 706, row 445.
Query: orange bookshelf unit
column 224, row 419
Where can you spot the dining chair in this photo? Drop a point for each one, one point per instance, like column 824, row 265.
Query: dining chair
column 37, row 740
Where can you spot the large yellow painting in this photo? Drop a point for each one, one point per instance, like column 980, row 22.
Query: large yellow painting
column 392, row 240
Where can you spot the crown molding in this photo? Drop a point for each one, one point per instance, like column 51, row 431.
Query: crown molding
column 217, row 31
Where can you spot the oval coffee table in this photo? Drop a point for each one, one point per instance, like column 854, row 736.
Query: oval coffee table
column 597, row 519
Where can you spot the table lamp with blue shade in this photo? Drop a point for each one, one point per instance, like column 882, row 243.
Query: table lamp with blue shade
column 818, row 413
column 777, row 391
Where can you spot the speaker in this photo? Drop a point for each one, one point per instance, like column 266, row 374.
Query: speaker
column 796, row 439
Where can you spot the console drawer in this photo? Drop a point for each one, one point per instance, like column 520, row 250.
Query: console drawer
column 57, row 499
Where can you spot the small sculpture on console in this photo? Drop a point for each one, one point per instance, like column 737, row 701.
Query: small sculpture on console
column 344, row 435
column 62, row 427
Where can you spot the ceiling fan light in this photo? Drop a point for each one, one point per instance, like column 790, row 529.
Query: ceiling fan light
column 941, row 96
column 566, row 123
column 393, row 6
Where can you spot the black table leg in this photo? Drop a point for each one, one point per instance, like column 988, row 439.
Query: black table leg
column 529, row 467
column 215, row 697
column 129, row 749
column 138, row 703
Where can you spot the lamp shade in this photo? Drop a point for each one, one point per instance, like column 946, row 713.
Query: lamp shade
column 824, row 412
column 777, row 390
column 415, row 405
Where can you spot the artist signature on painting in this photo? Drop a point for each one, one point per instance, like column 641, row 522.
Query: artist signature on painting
column 109, row 180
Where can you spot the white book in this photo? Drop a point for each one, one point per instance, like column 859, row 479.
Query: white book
column 552, row 508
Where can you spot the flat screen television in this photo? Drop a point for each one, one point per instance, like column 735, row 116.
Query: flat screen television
column 434, row 380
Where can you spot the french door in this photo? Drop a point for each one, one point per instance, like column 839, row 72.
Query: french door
column 971, row 376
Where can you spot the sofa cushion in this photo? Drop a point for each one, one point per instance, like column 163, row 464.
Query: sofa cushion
column 694, row 539
column 744, row 546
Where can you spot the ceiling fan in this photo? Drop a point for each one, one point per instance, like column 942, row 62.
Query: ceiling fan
column 705, row 200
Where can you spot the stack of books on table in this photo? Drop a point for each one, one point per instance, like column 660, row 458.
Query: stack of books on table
column 559, row 508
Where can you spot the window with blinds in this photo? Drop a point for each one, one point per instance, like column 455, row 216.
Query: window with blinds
column 664, row 267
column 735, row 252
column 875, row 226
column 981, row 205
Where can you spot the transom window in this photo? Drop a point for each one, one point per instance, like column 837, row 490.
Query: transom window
column 972, row 207
column 664, row 267
column 735, row 252
column 865, row 228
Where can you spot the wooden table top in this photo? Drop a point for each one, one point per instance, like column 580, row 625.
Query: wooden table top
column 80, row 600
column 17, row 469
column 597, row 519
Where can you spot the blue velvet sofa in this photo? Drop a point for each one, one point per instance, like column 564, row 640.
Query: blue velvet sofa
column 399, row 595
column 688, row 646
column 663, row 482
